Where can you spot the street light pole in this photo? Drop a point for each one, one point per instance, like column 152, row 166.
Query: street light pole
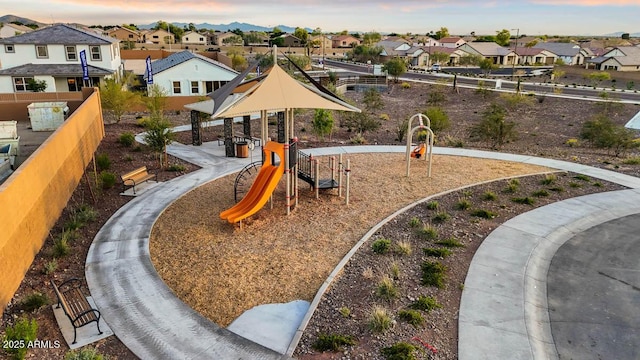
column 515, row 51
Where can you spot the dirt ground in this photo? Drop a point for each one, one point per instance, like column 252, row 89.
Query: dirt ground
column 544, row 126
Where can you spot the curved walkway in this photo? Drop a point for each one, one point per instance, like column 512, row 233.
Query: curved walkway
column 148, row 318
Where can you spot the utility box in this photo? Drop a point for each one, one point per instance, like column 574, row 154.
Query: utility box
column 47, row 116
column 9, row 140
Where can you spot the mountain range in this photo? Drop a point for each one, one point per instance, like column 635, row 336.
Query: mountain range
column 245, row 27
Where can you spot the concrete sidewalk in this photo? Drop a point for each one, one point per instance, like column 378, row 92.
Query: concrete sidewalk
column 153, row 323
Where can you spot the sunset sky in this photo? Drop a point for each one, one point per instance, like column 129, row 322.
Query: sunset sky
column 532, row 17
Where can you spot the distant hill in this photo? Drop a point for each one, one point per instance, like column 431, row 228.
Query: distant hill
column 7, row 19
column 231, row 26
column 619, row 34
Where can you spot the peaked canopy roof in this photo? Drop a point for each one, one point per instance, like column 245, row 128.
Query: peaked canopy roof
column 277, row 92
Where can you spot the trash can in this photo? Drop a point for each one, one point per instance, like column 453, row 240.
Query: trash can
column 242, row 149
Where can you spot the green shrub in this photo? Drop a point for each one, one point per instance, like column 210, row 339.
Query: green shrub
column 432, row 205
column 50, row 267
column 450, row 243
column 489, row 196
column 428, row 232
column 413, row 317
column 523, row 200
column 381, row 246
column 127, row 139
column 463, row 204
column 103, row 162
column 598, row 184
column 548, row 179
column 635, row 160
column 332, row 342
column 405, row 85
column 437, row 252
column 433, row 274
column 61, row 246
column 21, row 333
column 439, row 120
column 34, row 301
column 84, row 354
column 582, row 177
column 85, row 214
column 540, row 193
column 575, row 184
column 176, row 167
column 344, row 311
column 602, row 132
column 425, row 303
column 379, row 319
column 485, row 214
column 556, row 189
column 400, row 351
column 441, row 217
column 493, row 128
column 386, row 289
column 414, row 222
column 512, row 186
column 107, row 179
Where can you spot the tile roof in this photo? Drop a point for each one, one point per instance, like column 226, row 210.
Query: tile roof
column 450, row 39
column 181, row 57
column 489, row 48
column 560, row 49
column 59, row 34
column 54, row 70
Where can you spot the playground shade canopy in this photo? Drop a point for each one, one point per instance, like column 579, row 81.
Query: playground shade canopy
column 277, row 92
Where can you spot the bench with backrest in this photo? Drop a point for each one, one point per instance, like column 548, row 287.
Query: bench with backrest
column 75, row 305
column 136, row 177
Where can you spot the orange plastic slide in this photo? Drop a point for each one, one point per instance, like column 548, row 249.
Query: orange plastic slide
column 262, row 188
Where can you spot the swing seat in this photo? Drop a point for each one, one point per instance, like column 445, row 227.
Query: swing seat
column 418, row 151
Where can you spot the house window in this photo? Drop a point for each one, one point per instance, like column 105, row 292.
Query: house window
column 195, row 88
column 95, row 53
column 71, row 53
column 9, row 48
column 130, row 36
column 21, row 84
column 41, row 52
column 176, row 87
column 76, row 83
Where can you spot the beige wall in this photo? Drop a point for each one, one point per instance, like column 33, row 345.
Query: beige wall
column 33, row 197
column 13, row 106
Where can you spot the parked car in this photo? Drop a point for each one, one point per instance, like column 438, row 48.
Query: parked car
column 435, row 67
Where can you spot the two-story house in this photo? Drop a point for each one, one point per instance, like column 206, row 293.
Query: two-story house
column 453, row 42
column 9, row 30
column 159, row 36
column 194, row 38
column 52, row 55
column 125, row 34
column 187, row 74
column 344, row 41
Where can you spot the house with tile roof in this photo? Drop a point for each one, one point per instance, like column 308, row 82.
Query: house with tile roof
column 52, row 54
column 452, row 42
column 454, row 54
column 490, row 50
column 621, row 58
column 344, row 41
column 159, row 36
column 125, row 34
column 535, row 56
column 188, row 74
column 9, row 30
column 569, row 53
